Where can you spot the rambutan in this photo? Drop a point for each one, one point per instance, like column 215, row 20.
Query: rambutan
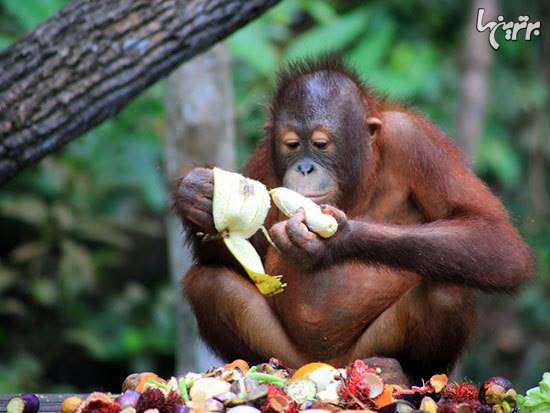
column 355, row 389
column 460, row 392
column 155, row 399
column 277, row 401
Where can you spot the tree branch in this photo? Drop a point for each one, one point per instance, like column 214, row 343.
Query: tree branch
column 85, row 63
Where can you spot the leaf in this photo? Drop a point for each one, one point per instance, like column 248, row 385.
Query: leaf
column 12, row 306
column 91, row 342
column 45, row 291
column 76, row 269
column 5, row 41
column 373, row 46
column 537, row 399
column 29, row 209
column 63, row 215
column 29, row 13
column 8, row 277
column 28, row 252
column 321, row 11
column 253, row 47
column 331, row 37
column 96, row 229
column 496, row 155
column 418, row 63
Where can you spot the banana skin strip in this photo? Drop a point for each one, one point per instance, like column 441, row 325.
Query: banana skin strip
column 239, row 208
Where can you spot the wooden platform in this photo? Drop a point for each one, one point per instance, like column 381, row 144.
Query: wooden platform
column 49, row 403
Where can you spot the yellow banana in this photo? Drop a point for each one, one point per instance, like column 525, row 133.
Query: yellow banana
column 289, row 201
column 239, row 208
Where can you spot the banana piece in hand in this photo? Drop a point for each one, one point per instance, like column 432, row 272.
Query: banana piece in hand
column 239, row 208
column 289, row 201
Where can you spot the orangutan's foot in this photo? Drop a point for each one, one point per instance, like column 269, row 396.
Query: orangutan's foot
column 390, row 370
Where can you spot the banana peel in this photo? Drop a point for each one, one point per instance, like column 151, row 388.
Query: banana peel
column 239, row 208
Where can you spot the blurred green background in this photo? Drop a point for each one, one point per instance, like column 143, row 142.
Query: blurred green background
column 85, row 294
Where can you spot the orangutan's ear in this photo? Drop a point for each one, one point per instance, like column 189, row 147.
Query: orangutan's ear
column 374, row 124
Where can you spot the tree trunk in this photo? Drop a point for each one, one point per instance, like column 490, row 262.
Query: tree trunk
column 477, row 57
column 85, row 63
column 200, row 130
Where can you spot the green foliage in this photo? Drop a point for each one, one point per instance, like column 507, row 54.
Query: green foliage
column 72, row 292
column 334, row 35
column 537, row 399
column 30, row 13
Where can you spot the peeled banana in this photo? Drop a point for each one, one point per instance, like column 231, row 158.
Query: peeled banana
column 239, row 208
column 289, row 201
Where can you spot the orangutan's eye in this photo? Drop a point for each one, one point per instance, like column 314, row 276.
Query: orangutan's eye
column 320, row 144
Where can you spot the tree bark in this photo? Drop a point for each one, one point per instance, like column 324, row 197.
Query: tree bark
column 477, row 58
column 200, row 130
column 85, row 63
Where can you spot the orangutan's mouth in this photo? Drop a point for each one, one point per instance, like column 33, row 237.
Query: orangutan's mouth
column 317, row 198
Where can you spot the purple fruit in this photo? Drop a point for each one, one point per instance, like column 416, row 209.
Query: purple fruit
column 32, row 403
column 243, row 409
column 25, row 403
column 128, row 398
column 494, row 390
column 399, row 406
column 225, row 397
column 213, row 405
column 181, row 409
column 413, row 398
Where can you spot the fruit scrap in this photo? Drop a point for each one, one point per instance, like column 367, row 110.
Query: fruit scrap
column 24, row 403
column 98, row 402
column 137, row 381
column 438, row 382
column 237, row 364
column 301, row 390
column 460, row 392
column 399, row 406
column 322, row 374
column 71, row 404
column 208, row 387
column 278, row 401
column 361, row 384
column 498, row 391
column 243, row 409
column 156, row 399
column 128, row 399
column 386, row 397
column 428, row 405
column 471, row 406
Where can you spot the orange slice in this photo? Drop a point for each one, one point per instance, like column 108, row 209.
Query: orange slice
column 304, row 371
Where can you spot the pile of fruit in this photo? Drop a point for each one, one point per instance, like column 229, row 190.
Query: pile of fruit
column 314, row 388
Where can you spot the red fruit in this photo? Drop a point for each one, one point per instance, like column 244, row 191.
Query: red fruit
column 460, row 392
column 355, row 387
column 278, row 401
column 100, row 406
column 155, row 399
column 99, row 403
